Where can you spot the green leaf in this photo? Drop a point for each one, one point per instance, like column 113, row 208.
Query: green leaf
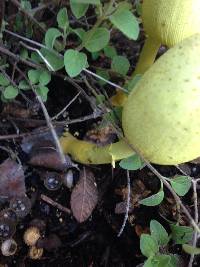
column 43, row 92
column 23, row 85
column 132, row 83
column 149, row 263
column 10, row 92
column 191, row 250
column 35, row 57
column 62, row 19
column 110, row 51
column 159, row 233
column 126, row 22
column 95, row 55
column 24, row 53
column 80, row 32
column 54, row 59
column 148, row 245
column 78, row 9
column 120, row 64
column 3, row 99
column 3, row 80
column 173, row 261
column 153, row 200
column 104, row 74
column 139, row 7
column 161, row 260
column 131, row 163
column 50, row 37
column 18, row 25
column 45, row 77
column 100, row 99
column 74, row 62
column 34, row 76
column 181, row 184
column 181, row 234
column 93, row 2
column 96, row 40
column 26, row 5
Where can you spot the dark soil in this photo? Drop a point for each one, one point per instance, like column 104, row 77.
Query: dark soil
column 93, row 243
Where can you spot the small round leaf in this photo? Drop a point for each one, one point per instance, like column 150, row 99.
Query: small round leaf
column 74, row 62
column 10, row 92
column 43, row 92
column 44, row 78
column 120, row 64
column 96, row 40
column 51, row 35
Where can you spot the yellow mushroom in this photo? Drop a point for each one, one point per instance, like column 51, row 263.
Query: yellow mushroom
column 31, row 236
column 161, row 116
column 166, row 22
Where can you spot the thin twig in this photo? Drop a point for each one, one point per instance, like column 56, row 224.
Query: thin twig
column 66, row 107
column 39, row 53
column 103, row 79
column 196, row 218
column 48, row 120
column 25, row 39
column 17, row 58
column 127, row 204
column 42, row 122
column 55, row 204
column 183, row 172
column 53, row 132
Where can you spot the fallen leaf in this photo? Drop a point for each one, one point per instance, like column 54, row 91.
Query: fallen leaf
column 38, row 137
column 16, row 110
column 45, row 155
column 84, row 196
column 12, row 182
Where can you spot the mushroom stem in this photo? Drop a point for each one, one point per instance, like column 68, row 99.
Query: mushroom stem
column 147, row 56
column 146, row 59
column 88, row 153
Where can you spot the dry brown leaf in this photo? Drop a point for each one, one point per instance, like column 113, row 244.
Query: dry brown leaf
column 16, row 110
column 11, row 179
column 45, row 155
column 84, row 196
column 141, row 230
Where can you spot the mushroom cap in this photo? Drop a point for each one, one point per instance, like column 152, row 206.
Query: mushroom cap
column 170, row 21
column 31, row 236
column 161, row 117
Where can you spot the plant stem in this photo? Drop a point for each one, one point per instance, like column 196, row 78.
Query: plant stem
column 196, row 218
column 127, row 204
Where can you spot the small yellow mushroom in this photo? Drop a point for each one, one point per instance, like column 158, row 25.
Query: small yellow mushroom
column 31, row 236
column 35, row 253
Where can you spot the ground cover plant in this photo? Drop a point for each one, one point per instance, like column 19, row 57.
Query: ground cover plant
column 99, row 133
